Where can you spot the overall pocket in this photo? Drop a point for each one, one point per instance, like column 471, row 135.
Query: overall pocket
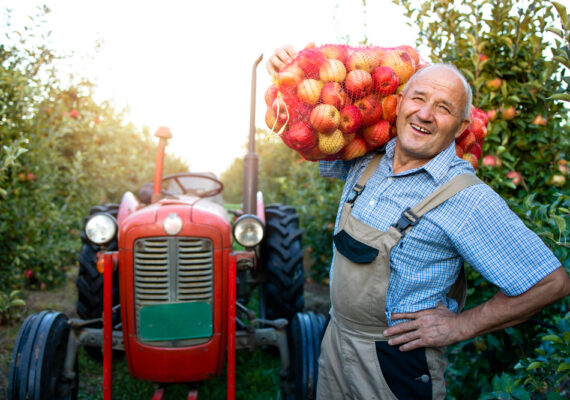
column 354, row 250
column 406, row 373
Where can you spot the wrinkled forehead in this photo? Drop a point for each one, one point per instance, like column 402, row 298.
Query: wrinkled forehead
column 440, row 83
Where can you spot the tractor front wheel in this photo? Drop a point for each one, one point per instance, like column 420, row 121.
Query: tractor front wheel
column 36, row 367
column 304, row 337
column 282, row 259
column 90, row 282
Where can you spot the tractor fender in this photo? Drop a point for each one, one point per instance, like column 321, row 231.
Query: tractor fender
column 129, row 204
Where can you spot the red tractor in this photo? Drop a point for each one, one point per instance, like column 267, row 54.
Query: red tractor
column 159, row 279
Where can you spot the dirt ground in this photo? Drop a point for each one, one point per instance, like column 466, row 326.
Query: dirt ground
column 64, row 298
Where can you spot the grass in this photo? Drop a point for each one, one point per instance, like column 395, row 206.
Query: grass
column 257, row 378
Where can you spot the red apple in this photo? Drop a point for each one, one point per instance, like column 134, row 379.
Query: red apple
column 458, row 151
column 350, row 119
column 402, row 64
column 389, row 104
column 471, row 159
column 492, row 114
column 333, row 94
column 310, row 61
column 412, row 52
column 332, row 142
column 491, row 161
column 378, row 134
column 334, row 51
column 324, row 118
column 358, row 83
column 467, row 142
column 371, row 109
column 356, row 148
column 270, row 95
column 479, row 129
column 362, row 60
column 515, row 177
column 476, row 150
column 291, row 75
column 332, row 70
column 393, row 131
column 272, row 121
column 493, row 84
column 74, row 113
column 301, row 136
column 540, row 120
column 313, row 154
column 309, row 91
column 385, row 80
column 508, row 113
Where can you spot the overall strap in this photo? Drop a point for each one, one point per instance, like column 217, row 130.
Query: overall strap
column 359, row 186
column 411, row 216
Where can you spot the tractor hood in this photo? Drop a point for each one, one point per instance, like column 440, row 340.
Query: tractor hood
column 195, row 213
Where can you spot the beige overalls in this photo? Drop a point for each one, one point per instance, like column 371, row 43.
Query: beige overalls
column 356, row 360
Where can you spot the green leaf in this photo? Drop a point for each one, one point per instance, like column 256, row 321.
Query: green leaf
column 560, row 96
column 534, row 365
column 563, row 367
column 560, row 222
column 556, row 31
column 561, row 11
column 552, row 338
column 17, row 302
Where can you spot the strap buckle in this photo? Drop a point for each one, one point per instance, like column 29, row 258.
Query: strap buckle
column 407, row 219
column 356, row 191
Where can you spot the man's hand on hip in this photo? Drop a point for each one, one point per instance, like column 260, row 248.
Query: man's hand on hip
column 429, row 328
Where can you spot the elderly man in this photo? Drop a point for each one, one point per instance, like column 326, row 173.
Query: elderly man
column 408, row 217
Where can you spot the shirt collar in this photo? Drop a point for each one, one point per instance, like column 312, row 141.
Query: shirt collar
column 437, row 167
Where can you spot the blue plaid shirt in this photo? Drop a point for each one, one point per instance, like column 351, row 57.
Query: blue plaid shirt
column 475, row 225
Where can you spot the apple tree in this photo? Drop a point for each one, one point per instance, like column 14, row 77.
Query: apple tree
column 505, row 50
column 61, row 153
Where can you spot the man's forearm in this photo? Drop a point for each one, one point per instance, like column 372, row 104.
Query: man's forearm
column 502, row 311
column 438, row 327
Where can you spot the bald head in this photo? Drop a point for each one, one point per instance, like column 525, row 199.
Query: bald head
column 468, row 94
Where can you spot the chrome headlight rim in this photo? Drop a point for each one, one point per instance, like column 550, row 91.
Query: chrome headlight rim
column 101, row 229
column 254, row 221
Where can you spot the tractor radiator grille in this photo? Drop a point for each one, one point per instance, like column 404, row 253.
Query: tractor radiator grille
column 172, row 270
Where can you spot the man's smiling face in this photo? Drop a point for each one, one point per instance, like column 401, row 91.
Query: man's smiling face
column 430, row 114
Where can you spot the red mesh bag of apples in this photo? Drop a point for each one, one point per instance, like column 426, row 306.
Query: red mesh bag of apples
column 339, row 102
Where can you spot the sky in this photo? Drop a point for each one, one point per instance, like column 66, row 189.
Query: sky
column 187, row 64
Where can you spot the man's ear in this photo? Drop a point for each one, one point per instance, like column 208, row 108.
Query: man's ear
column 398, row 102
column 464, row 124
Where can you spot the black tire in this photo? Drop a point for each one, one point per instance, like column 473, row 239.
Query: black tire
column 36, row 367
column 304, row 350
column 90, row 282
column 282, row 259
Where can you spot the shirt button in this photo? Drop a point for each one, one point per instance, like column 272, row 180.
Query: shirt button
column 372, row 203
column 424, row 378
column 390, row 179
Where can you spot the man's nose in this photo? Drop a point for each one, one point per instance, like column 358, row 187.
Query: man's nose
column 425, row 113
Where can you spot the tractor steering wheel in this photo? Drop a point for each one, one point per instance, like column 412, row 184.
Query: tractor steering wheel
column 193, row 191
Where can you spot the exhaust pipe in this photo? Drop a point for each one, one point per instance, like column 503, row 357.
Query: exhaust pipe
column 250, row 162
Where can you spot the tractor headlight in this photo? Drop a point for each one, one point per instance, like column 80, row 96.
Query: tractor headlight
column 101, row 228
column 248, row 230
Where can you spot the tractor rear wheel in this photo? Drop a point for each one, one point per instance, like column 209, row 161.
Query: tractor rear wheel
column 304, row 337
column 282, row 258
column 36, row 367
column 90, row 282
